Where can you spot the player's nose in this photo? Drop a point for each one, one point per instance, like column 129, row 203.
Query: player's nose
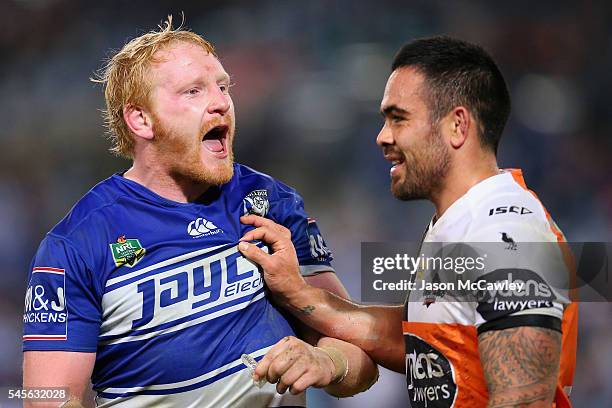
column 384, row 137
column 220, row 101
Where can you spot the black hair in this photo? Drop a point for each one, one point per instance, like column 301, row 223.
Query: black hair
column 458, row 73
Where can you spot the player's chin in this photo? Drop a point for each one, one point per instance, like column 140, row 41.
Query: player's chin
column 220, row 171
column 404, row 192
column 397, row 185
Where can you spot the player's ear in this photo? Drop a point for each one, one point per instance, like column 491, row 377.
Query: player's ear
column 459, row 123
column 138, row 120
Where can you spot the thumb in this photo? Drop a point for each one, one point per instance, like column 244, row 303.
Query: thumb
column 253, row 253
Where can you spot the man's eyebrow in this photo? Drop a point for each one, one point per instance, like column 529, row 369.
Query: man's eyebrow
column 393, row 110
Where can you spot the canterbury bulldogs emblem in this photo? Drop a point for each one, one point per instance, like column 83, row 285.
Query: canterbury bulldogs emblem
column 256, row 202
column 202, row 226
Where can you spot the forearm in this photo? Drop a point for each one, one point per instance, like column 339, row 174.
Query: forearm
column 361, row 371
column 375, row 329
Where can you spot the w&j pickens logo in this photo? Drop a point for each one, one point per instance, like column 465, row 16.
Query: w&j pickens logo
column 45, row 316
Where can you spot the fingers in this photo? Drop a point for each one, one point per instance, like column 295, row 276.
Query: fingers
column 263, row 366
column 256, row 220
column 294, row 365
column 300, row 385
column 268, row 235
column 291, row 375
column 254, row 253
column 266, row 230
column 281, row 267
column 277, row 236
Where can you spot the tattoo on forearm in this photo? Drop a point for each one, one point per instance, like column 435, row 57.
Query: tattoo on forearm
column 307, row 310
column 520, row 364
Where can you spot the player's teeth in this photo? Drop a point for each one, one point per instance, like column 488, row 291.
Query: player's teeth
column 395, row 162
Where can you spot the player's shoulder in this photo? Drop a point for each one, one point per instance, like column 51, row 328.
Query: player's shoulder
column 85, row 213
column 504, row 202
column 250, row 179
column 503, row 198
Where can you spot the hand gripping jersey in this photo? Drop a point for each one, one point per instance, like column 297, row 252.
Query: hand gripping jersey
column 159, row 291
column 443, row 366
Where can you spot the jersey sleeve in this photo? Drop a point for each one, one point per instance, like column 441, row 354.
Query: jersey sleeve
column 313, row 254
column 524, row 281
column 62, row 309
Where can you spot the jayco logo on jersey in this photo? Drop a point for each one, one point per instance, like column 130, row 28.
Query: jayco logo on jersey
column 256, row 202
column 175, row 293
column 201, row 227
column 202, row 283
column 45, row 316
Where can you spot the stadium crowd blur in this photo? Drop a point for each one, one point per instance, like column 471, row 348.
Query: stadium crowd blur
column 308, row 78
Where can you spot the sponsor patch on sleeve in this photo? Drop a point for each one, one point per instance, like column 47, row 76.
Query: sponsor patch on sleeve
column 45, row 316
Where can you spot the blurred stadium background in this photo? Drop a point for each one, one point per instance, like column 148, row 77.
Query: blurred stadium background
column 308, row 77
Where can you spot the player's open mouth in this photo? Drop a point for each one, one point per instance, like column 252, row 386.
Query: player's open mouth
column 215, row 141
column 396, row 162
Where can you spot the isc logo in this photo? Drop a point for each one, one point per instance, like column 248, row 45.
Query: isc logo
column 199, row 285
column 510, row 209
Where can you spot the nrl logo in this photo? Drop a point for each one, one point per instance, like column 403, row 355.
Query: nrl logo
column 127, row 252
column 256, row 202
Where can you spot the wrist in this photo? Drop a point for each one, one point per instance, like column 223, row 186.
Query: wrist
column 339, row 362
column 292, row 293
column 301, row 300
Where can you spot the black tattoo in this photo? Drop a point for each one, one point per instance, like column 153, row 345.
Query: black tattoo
column 307, row 310
column 520, row 365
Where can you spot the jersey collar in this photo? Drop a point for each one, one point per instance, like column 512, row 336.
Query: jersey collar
column 474, row 195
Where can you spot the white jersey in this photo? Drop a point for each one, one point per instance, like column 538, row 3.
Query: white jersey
column 512, row 240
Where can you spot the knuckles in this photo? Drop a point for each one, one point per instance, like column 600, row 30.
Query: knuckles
column 296, row 389
column 299, row 357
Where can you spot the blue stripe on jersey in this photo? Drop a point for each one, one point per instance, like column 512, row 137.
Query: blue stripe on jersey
column 176, row 390
column 191, row 352
column 199, row 384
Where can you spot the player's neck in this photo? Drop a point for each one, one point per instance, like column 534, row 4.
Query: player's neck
column 159, row 181
column 460, row 179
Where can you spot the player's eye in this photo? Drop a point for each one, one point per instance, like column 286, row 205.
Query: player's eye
column 225, row 87
column 192, row 91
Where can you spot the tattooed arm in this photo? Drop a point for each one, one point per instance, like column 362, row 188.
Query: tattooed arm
column 520, row 365
column 376, row 329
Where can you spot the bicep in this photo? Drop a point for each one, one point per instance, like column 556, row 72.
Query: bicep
column 520, row 365
column 58, row 369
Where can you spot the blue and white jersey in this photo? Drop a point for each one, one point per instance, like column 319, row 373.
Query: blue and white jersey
column 159, row 291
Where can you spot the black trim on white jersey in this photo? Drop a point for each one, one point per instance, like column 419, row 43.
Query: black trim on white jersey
column 531, row 320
